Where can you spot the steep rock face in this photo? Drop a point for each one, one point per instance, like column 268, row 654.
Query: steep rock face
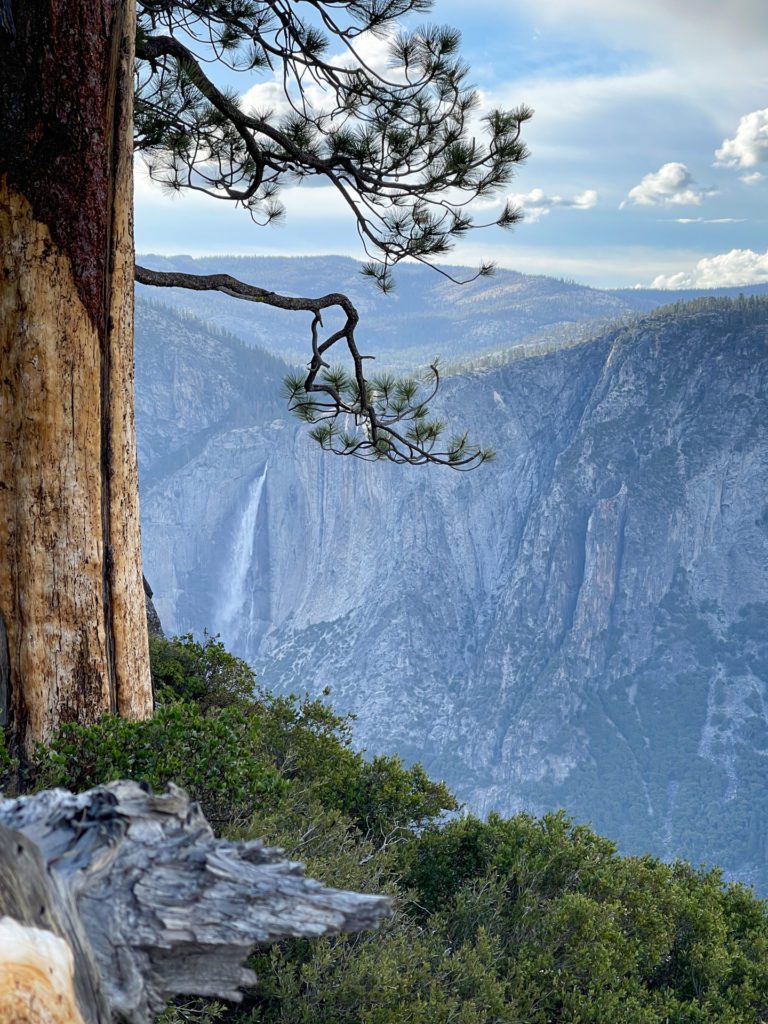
column 582, row 623
column 194, row 381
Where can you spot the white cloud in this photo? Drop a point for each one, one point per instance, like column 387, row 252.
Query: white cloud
column 536, row 204
column 373, row 49
column 369, row 49
column 709, row 220
column 562, row 101
column 749, row 147
column 608, row 264
column 693, row 30
column 712, row 52
column 671, row 185
column 752, row 179
column 737, row 267
column 266, row 97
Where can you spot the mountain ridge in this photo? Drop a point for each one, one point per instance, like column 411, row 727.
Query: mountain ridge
column 427, row 316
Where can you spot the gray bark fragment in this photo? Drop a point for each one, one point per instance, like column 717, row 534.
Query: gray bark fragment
column 168, row 909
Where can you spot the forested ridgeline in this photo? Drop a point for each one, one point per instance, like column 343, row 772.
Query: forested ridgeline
column 512, row 919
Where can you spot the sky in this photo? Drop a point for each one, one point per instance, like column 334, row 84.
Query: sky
column 649, row 148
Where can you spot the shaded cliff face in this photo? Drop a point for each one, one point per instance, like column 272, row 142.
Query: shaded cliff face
column 581, row 623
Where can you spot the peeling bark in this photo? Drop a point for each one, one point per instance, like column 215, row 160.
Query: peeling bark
column 71, row 593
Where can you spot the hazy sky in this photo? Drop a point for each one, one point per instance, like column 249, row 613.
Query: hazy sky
column 649, row 147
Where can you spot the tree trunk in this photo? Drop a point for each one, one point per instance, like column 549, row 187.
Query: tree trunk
column 73, row 641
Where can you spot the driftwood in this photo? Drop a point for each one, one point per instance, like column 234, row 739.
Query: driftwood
column 149, row 905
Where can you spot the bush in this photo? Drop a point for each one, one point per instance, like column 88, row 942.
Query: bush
column 9, row 766
column 210, row 755
column 203, row 673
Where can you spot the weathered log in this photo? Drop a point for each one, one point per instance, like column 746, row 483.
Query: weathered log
column 46, row 967
column 150, row 903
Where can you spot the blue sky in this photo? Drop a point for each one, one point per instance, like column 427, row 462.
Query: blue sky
column 649, row 148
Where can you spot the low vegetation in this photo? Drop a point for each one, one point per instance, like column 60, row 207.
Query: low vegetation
column 504, row 920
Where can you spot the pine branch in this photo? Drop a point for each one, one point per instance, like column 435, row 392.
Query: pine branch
column 390, row 416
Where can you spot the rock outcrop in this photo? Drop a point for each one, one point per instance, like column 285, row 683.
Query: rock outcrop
column 154, row 625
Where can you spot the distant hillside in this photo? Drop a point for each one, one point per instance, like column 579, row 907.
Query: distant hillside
column 582, row 623
column 425, row 317
column 646, row 299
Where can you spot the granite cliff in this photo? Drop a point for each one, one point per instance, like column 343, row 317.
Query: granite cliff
column 581, row 623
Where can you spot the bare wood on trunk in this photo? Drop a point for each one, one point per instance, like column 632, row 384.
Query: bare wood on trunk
column 166, row 908
column 71, row 598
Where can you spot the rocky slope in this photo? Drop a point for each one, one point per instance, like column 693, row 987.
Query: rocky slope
column 581, row 623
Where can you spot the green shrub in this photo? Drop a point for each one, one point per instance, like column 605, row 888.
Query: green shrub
column 210, row 755
column 204, row 673
column 9, row 766
column 311, row 746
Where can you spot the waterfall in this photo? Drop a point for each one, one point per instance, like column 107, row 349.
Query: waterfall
column 236, row 594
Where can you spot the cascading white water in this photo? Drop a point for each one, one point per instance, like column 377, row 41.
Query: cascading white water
column 234, row 586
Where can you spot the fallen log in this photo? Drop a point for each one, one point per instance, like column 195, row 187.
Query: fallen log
column 138, row 901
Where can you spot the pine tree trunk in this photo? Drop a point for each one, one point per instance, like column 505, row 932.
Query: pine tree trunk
column 73, row 641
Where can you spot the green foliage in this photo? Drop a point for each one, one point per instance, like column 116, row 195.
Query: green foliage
column 9, row 766
column 584, row 935
column 400, row 408
column 208, row 754
column 537, row 922
column 204, row 673
column 311, row 746
column 504, row 920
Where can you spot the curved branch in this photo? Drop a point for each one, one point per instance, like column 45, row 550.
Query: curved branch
column 151, row 47
column 376, row 406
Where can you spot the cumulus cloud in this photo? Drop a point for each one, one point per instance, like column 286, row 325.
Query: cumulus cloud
column 671, row 185
column 752, row 179
column 536, row 204
column 729, row 269
column 373, row 50
column 266, row 98
column 749, row 146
